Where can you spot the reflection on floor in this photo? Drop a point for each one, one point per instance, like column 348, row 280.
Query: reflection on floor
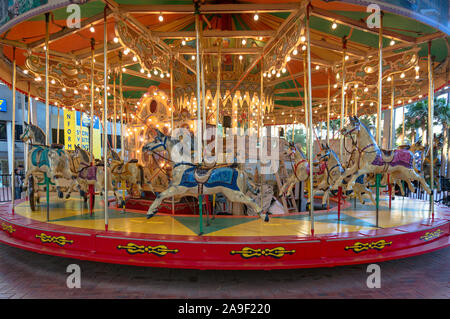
column 74, row 212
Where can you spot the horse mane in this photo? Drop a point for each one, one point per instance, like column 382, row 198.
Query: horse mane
column 370, row 136
column 38, row 133
column 336, row 159
column 84, row 154
column 300, row 151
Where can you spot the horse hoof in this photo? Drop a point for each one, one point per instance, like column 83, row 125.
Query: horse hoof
column 67, row 196
column 60, row 194
column 82, row 193
column 266, row 219
column 150, row 216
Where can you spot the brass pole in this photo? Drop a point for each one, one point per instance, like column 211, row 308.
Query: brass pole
column 105, row 115
column 260, row 128
column 28, row 120
column 57, row 131
column 171, row 95
column 341, row 141
column 13, row 144
column 122, row 145
column 114, row 132
column 171, row 116
column 391, row 127
column 403, row 126
column 91, row 142
column 310, row 141
column 203, row 91
column 305, row 94
column 199, row 113
column 219, row 67
column 328, row 107
column 380, row 80
column 430, row 126
column 47, row 106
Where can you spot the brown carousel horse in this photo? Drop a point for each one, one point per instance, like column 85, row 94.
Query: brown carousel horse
column 130, row 173
column 88, row 174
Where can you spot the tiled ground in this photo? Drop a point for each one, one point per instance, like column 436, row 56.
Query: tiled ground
column 29, row 275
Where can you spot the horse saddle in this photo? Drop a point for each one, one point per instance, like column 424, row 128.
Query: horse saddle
column 133, row 160
column 57, row 146
column 387, row 155
column 202, row 175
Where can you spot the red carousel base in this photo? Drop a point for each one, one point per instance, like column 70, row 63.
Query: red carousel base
column 232, row 251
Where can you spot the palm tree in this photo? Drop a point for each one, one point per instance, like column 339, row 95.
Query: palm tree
column 415, row 118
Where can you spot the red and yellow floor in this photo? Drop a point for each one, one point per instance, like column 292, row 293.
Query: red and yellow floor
column 229, row 242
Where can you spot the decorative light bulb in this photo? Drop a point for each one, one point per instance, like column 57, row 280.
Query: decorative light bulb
column 256, row 17
column 334, row 26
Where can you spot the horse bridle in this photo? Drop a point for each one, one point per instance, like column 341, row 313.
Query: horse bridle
column 355, row 144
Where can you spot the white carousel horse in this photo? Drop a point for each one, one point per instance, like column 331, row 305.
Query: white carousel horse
column 131, row 173
column 371, row 159
column 52, row 161
column 333, row 171
column 300, row 169
column 90, row 174
column 230, row 180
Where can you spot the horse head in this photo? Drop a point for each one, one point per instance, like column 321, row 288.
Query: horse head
column 158, row 144
column 33, row 133
column 81, row 155
column 352, row 128
column 27, row 134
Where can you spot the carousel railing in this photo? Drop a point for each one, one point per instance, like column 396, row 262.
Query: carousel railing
column 5, row 188
column 442, row 196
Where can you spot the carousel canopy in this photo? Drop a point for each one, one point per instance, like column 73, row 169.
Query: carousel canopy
column 152, row 44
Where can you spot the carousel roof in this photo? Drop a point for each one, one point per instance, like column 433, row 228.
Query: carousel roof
column 142, row 47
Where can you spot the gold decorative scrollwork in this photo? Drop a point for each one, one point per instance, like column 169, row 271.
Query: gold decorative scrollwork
column 248, row 252
column 150, row 56
column 8, row 228
column 359, row 247
column 160, row 250
column 60, row 240
column 429, row 236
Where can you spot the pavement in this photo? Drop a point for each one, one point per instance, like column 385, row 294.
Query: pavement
column 26, row 275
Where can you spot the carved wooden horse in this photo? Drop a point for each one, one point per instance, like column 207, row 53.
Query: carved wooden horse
column 333, row 171
column 131, row 172
column 371, row 159
column 87, row 174
column 300, row 169
column 231, row 181
column 43, row 159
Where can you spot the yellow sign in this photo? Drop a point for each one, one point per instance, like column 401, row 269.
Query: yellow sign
column 69, row 129
column 97, row 139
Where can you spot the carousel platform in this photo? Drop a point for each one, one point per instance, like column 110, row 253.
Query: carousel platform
column 229, row 242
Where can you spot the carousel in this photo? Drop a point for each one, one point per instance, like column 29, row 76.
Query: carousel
column 226, row 134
